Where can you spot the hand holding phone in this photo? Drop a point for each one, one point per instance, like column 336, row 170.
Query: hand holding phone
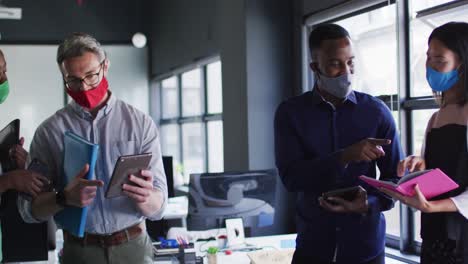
column 349, row 194
column 37, row 181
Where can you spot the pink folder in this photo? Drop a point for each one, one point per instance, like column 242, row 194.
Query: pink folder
column 432, row 183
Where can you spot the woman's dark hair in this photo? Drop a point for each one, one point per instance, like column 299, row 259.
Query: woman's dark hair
column 454, row 35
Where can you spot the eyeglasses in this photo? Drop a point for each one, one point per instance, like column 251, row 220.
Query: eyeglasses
column 90, row 79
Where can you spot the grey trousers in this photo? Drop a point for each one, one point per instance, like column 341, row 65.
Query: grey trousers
column 135, row 251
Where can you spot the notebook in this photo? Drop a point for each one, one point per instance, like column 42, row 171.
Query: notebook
column 9, row 136
column 431, row 182
column 77, row 153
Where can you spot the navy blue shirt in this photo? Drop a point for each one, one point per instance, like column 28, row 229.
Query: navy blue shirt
column 310, row 135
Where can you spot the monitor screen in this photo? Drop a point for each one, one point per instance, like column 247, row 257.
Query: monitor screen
column 214, row 197
column 169, row 171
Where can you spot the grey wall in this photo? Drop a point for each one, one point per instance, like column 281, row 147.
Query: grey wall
column 182, row 32
column 233, row 48
column 48, row 21
column 36, row 87
column 269, row 80
column 254, row 41
column 128, row 76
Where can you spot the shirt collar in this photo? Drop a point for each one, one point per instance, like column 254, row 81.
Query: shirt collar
column 104, row 111
column 317, row 98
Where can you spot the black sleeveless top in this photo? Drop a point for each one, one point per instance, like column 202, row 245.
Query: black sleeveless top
column 446, row 149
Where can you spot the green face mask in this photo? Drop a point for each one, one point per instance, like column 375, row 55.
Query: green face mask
column 4, row 91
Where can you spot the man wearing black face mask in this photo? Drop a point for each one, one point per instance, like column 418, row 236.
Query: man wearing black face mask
column 324, row 140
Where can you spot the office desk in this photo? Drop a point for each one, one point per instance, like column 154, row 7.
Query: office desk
column 240, row 257
column 177, row 208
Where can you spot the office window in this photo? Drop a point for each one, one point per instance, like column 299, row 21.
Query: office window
column 215, row 98
column 375, row 46
column 418, row 5
column 215, row 146
column 392, row 67
column 193, row 146
column 170, row 98
column 170, row 143
column 420, row 119
column 374, row 38
column 424, row 20
column 192, row 93
column 191, row 120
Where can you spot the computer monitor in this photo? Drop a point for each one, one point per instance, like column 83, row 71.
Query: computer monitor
column 214, row 197
column 169, row 171
column 159, row 228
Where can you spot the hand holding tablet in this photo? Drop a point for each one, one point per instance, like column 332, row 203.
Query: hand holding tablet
column 125, row 166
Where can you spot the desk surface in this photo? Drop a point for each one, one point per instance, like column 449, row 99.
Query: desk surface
column 240, row 257
column 177, row 207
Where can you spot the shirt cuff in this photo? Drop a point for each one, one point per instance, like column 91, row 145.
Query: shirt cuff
column 158, row 215
column 461, row 202
column 25, row 210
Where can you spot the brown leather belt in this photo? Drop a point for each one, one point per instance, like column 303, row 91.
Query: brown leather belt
column 105, row 241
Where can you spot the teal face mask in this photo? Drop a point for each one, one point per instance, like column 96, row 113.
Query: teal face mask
column 4, row 91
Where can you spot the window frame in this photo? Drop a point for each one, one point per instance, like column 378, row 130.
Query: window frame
column 204, row 118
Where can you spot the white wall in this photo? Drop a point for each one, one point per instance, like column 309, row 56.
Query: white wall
column 37, row 88
column 128, row 74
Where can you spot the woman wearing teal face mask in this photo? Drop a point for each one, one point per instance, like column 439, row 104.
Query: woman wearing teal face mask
column 20, row 179
column 444, row 224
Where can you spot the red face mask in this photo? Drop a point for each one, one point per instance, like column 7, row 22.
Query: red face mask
column 90, row 98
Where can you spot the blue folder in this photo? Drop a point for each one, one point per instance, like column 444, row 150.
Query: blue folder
column 77, row 153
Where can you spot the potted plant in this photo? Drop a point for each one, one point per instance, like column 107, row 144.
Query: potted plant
column 211, row 255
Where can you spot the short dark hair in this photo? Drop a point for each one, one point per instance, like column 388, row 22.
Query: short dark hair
column 324, row 32
column 454, row 35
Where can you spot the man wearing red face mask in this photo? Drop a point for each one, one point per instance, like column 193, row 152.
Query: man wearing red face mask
column 115, row 231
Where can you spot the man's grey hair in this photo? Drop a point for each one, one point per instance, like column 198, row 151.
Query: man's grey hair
column 77, row 44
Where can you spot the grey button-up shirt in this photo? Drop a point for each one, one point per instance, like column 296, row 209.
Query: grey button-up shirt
column 119, row 129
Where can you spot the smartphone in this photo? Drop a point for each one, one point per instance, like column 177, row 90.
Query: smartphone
column 349, row 194
column 38, row 167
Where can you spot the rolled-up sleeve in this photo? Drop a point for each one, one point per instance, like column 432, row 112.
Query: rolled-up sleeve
column 152, row 145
